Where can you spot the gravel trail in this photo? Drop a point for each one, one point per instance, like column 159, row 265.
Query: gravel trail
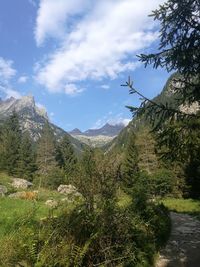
column 183, row 247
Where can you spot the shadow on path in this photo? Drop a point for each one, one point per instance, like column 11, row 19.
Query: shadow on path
column 183, row 247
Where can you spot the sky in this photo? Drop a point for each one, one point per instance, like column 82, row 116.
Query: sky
column 73, row 56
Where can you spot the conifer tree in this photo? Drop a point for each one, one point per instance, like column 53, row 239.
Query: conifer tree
column 88, row 177
column 11, row 139
column 65, row 155
column 46, row 151
column 145, row 143
column 130, row 166
column 27, row 158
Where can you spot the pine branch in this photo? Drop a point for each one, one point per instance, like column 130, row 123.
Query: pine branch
column 158, row 108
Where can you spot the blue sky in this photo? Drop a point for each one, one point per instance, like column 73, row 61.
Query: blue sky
column 73, row 55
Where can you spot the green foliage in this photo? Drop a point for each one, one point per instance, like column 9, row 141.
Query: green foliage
column 65, row 156
column 13, row 210
column 27, row 159
column 46, row 152
column 162, row 182
column 181, row 205
column 130, row 165
column 55, row 178
column 180, row 142
column 179, row 43
column 98, row 232
column 178, row 131
column 10, row 144
column 147, row 158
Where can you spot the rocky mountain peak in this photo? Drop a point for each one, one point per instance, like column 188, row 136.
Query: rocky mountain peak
column 26, row 101
column 75, row 131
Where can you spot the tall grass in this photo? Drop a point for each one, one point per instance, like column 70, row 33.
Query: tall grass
column 189, row 206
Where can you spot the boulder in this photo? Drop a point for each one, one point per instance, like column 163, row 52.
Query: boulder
column 21, row 183
column 67, row 189
column 51, row 203
column 70, row 192
column 3, row 190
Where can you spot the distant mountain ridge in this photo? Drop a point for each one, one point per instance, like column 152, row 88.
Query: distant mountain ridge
column 98, row 137
column 106, row 130
column 32, row 118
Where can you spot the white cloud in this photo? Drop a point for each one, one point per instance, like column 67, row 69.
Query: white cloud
column 53, row 16
column 23, row 79
column 105, row 86
column 72, row 90
column 6, row 70
column 9, row 92
column 119, row 120
column 100, row 44
column 111, row 119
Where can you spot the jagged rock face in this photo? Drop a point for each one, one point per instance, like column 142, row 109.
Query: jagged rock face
column 190, row 109
column 32, row 118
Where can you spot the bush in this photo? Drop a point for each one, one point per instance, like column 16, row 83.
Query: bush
column 52, row 180
column 162, row 182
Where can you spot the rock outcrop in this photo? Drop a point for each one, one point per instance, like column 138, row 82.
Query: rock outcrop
column 70, row 192
column 21, row 183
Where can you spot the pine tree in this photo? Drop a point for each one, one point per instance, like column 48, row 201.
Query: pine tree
column 65, row 156
column 130, row 166
column 88, row 183
column 46, row 151
column 27, row 158
column 145, row 143
column 11, row 139
column 179, row 44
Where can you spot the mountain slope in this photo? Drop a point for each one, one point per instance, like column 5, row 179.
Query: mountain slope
column 98, row 137
column 106, row 130
column 166, row 96
column 32, row 118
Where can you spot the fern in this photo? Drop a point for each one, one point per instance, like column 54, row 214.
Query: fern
column 79, row 253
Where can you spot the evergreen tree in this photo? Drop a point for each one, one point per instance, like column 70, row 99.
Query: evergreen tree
column 130, row 166
column 65, row 156
column 179, row 44
column 10, row 144
column 27, row 158
column 145, row 143
column 46, row 151
column 88, row 183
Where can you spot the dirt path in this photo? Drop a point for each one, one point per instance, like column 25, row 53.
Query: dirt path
column 183, row 247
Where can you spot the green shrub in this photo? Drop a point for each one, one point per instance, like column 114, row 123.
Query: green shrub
column 162, row 182
column 52, row 180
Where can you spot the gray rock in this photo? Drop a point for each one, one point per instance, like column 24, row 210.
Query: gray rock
column 67, row 189
column 3, row 190
column 51, row 203
column 21, row 183
column 21, row 194
column 70, row 192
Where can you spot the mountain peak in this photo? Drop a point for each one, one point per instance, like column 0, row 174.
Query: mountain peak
column 75, row 131
column 106, row 130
